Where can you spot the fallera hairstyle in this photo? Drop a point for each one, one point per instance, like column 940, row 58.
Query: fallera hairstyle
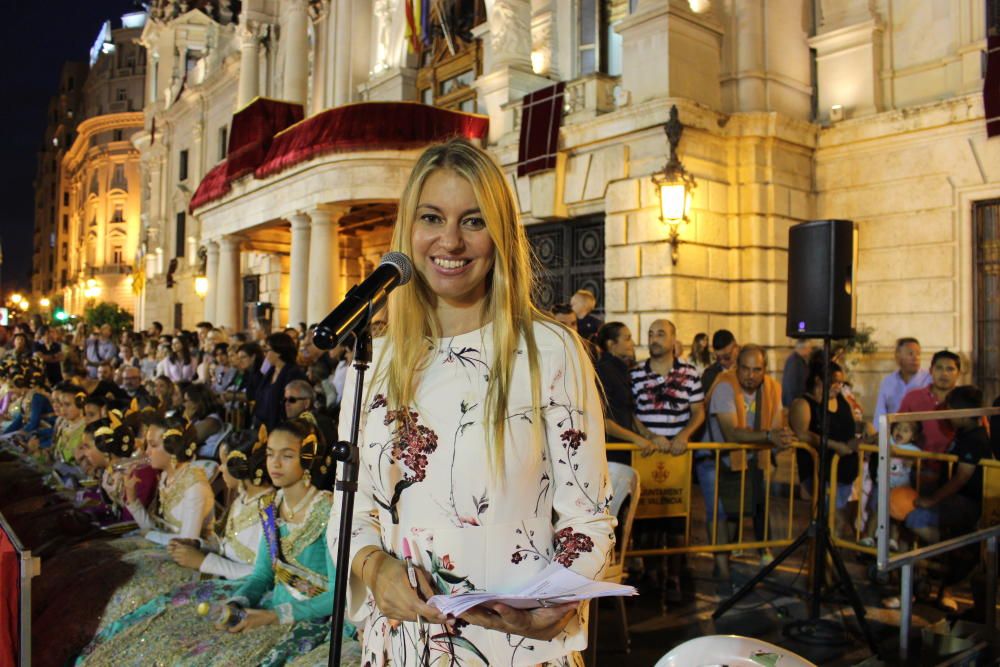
column 247, row 459
column 179, row 439
column 947, row 354
column 722, row 338
column 112, row 436
column 314, row 455
column 609, row 331
column 965, row 397
column 508, row 304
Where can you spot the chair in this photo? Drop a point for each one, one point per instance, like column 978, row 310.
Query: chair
column 732, row 651
column 625, row 500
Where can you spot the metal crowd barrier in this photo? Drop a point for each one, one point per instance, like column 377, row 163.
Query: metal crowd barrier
column 781, row 539
column 28, row 567
column 905, row 560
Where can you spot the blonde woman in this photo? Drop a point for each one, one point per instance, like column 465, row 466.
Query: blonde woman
column 482, row 453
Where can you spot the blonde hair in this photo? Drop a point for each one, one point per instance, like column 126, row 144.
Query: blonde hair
column 508, row 304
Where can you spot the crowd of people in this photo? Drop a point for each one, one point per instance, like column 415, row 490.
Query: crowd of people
column 192, row 471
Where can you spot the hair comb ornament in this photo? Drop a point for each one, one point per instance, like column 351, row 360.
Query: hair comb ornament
column 172, row 433
column 236, row 455
column 307, row 451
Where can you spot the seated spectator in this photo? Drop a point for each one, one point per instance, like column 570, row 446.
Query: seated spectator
column 280, row 352
column 299, row 402
column 180, row 363
column 134, row 389
column 204, row 414
column 906, row 378
column 49, row 350
column 223, row 375
column 149, row 360
column 796, row 371
column 166, row 395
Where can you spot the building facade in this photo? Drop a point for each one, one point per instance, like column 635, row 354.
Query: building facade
column 792, row 111
column 95, row 241
column 51, row 202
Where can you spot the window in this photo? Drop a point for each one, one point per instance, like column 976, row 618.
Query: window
column 94, row 186
column 62, row 278
column 599, row 46
column 986, row 281
column 65, row 198
column 121, row 95
column 119, row 214
column 117, row 135
column 52, row 239
column 449, row 68
column 65, row 252
column 182, row 169
column 65, row 225
column 993, row 18
column 116, row 255
column 178, row 316
column 223, row 142
column 118, row 179
column 179, row 235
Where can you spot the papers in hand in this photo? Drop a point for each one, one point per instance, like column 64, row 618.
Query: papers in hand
column 552, row 586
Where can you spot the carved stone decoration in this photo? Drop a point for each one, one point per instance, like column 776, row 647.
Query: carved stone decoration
column 383, row 11
column 510, row 32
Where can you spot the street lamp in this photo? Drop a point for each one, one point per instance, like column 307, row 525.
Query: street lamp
column 92, row 290
column 16, row 298
column 673, row 186
column 201, row 286
column 44, row 302
column 24, row 304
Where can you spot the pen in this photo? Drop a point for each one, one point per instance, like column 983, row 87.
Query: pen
column 411, row 572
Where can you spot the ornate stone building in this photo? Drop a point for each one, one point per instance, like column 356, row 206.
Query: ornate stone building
column 96, row 241
column 792, row 111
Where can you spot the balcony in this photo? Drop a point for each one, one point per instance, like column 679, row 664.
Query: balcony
column 584, row 98
column 109, row 270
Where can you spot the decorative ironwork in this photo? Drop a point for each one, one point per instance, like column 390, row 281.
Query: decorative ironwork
column 571, row 257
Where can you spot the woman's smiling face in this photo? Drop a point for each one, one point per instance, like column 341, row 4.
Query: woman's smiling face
column 452, row 249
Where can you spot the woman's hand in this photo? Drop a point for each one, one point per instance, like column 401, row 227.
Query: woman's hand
column 185, row 555
column 544, row 623
column 255, row 618
column 389, row 583
column 131, row 483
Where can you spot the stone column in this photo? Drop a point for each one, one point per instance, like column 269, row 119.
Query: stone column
column 689, row 44
column 342, row 54
column 507, row 76
column 212, row 274
column 249, row 63
column 296, row 37
column 324, row 264
column 227, row 305
column 299, row 286
column 321, row 58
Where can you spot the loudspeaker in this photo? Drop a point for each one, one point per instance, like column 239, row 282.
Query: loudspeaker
column 822, row 255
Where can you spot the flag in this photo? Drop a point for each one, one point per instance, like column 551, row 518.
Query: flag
column 425, row 22
column 413, row 23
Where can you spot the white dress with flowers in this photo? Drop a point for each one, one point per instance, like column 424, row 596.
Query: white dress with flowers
column 425, row 477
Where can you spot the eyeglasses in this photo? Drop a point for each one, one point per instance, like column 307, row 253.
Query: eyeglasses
column 295, row 399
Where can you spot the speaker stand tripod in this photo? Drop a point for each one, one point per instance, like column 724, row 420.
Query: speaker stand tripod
column 818, row 534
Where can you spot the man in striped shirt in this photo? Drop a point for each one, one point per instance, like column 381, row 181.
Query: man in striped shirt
column 669, row 401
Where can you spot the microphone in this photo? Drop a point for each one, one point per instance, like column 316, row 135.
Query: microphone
column 395, row 269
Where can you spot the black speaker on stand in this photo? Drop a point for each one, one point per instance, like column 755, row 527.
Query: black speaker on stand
column 822, row 256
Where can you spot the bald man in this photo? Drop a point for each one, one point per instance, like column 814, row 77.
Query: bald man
column 669, row 402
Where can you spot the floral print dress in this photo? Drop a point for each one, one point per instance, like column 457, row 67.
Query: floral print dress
column 425, row 476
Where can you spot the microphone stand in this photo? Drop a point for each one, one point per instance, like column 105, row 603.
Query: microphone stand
column 346, row 451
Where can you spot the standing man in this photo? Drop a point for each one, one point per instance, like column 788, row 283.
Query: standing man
column 796, row 371
column 49, row 349
column 907, row 377
column 670, row 403
column 726, row 350
column 583, row 303
column 100, row 348
column 744, row 406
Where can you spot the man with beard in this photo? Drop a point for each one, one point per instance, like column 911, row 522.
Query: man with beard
column 670, row 403
column 744, row 406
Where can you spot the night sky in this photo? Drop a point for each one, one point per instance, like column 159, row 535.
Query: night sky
column 38, row 36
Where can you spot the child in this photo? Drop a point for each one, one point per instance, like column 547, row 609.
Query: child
column 904, row 435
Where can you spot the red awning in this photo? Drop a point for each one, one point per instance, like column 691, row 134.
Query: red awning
column 267, row 148
column 250, row 137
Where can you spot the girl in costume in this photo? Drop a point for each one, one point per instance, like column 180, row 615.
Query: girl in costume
column 198, row 627
column 482, row 446
column 32, row 410
column 232, row 556
column 68, row 433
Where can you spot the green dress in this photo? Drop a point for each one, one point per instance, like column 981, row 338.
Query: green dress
column 169, row 631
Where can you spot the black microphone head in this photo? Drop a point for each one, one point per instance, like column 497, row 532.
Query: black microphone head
column 401, row 262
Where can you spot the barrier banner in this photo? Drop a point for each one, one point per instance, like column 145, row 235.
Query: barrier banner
column 10, row 577
column 666, row 485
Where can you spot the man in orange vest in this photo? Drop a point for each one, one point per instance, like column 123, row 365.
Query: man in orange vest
column 744, row 406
